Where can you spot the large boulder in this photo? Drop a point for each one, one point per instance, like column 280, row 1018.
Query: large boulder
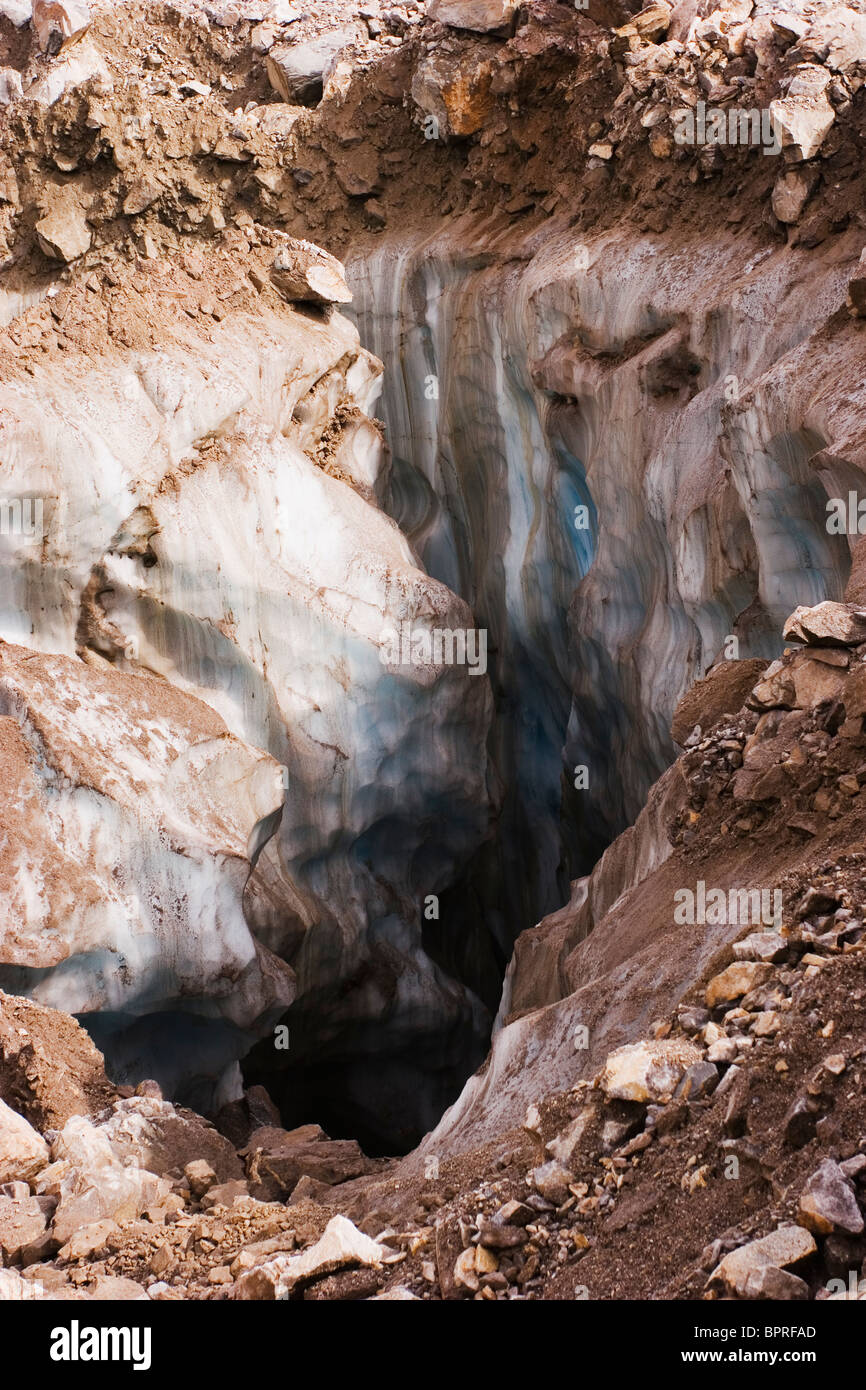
column 23, row 1152
column 647, row 1071
column 804, row 116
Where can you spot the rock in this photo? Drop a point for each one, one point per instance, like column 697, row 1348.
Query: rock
column 564, row 1146
column 224, row 1194
column 92, row 1185
column 647, row 1071
column 23, row 1152
column 304, row 272
column 497, row 1235
column 515, row 1214
column 297, row 71
column 480, row 16
column 827, row 624
column 83, row 64
column 56, row 20
column 154, row 1134
column 769, row 1282
column 799, row 1123
column 22, row 1225
column 89, row 1241
column 200, row 1177
column 786, row 1246
column 723, row 690
column 738, row 979
column 804, row 116
column 455, row 91
column 791, row 192
column 551, row 1180
column 698, row 1080
column 63, row 234
column 768, row 946
column 341, row 1244
column 10, row 86
column 828, row 1202
column 399, row 1294
column 109, row 1288
column 328, row 1161
column 817, row 901
column 465, row 1274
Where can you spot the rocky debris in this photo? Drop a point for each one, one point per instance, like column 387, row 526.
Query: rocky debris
column 154, row 1134
column 23, row 1152
column 827, row 624
column 91, row 1183
column 63, row 233
column 791, row 192
column 803, row 118
column 735, row 981
column 482, row 16
column 284, row 1157
column 305, row 273
column 647, row 1071
column 828, row 1202
column 297, row 71
column 24, row 1238
column 341, row 1244
column 551, row 1180
column 56, row 20
column 722, row 691
column 786, row 1246
column 49, row 1066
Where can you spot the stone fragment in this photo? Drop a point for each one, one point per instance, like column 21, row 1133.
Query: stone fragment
column 778, row 1284
column 89, row 1241
column 56, row 20
column 698, row 1080
column 803, row 117
column 827, row 624
column 736, row 981
column 10, row 86
column 828, row 1203
column 341, row 1244
column 791, row 192
column 551, row 1180
column 224, row 1194
column 23, row 1152
column 297, row 71
column 768, row 946
column 479, row 16
column 200, row 1177
column 63, row 234
column 22, row 1224
column 783, row 1247
column 453, row 93
column 647, row 1071
column 304, row 272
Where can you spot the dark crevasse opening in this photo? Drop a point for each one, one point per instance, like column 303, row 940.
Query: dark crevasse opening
column 486, row 486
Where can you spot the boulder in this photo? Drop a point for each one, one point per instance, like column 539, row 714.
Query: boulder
column 22, row 1228
column 768, row 946
column 10, row 86
column 92, row 1184
column 738, row 979
column 791, row 192
column 784, row 1247
column 166, row 1140
column 827, row 624
column 297, row 71
column 480, row 16
column 63, row 234
column 23, row 1152
column 828, row 1202
column 551, row 1181
column 56, row 20
column 284, row 1161
column 341, row 1244
column 804, row 116
column 648, row 1070
column 454, row 89
column 305, row 273
column 90, row 1241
